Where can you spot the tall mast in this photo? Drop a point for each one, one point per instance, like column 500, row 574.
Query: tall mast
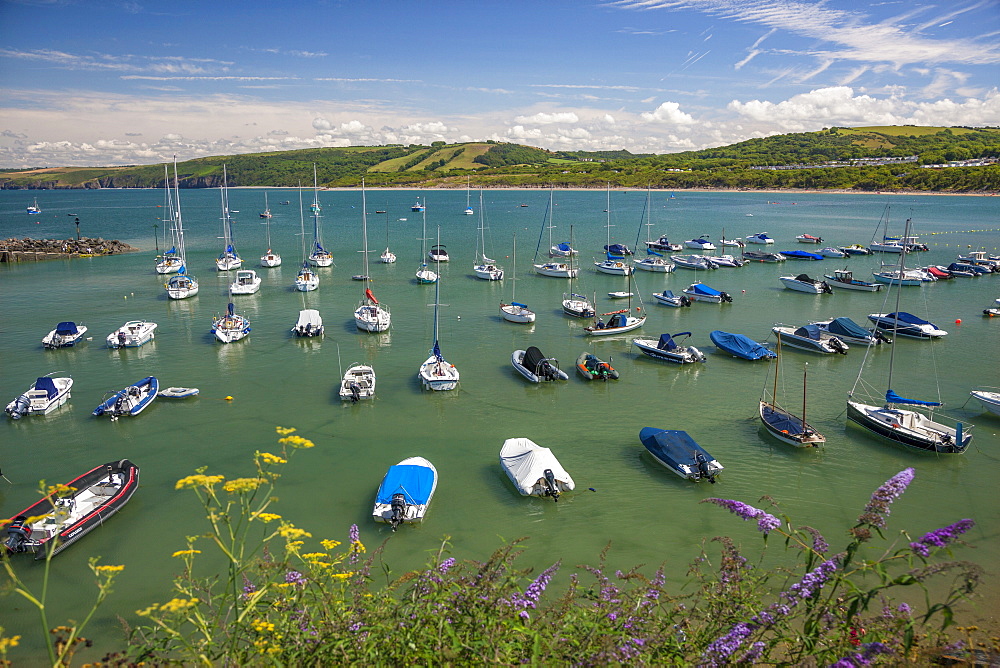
column 364, row 229
column 899, row 289
column 804, row 369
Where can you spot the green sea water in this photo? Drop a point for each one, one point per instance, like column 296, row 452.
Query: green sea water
column 649, row 515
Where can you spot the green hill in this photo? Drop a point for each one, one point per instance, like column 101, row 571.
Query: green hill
column 863, row 158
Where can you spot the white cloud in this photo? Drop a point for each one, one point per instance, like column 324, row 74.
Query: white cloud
column 543, row 118
column 668, row 113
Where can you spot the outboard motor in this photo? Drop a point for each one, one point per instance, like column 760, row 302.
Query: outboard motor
column 838, row 345
column 879, row 336
column 121, row 339
column 827, row 289
column 355, row 392
column 703, row 469
column 685, row 301
column 550, row 483
column 398, row 510
column 17, row 535
column 726, row 298
column 18, row 408
column 546, row 371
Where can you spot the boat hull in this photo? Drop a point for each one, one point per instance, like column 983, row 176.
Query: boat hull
column 131, row 400
column 438, row 375
column 888, row 423
column 517, row 314
column 358, row 383
column 655, row 265
column 556, row 270
column 788, row 428
column 631, row 323
column 679, row 355
column 989, row 400
column 132, row 334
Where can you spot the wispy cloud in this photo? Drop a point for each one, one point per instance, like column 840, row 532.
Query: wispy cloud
column 121, row 62
column 144, row 77
column 366, row 80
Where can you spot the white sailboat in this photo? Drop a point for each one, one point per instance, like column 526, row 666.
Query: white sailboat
column 170, row 262
column 485, row 268
column 387, row 257
column 436, row 373
column 424, row 275
column 181, row 285
column 306, row 280
column 270, row 258
column 621, row 320
column 229, row 258
column 318, row 256
column 654, row 261
column 231, row 327
column 907, row 427
column 612, row 264
column 553, row 269
column 468, row 206
column 514, row 311
column 574, row 304
column 370, row 316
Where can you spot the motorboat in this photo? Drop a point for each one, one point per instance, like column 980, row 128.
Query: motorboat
column 663, row 245
column 830, row 251
column 802, row 283
column 53, row 523
column 438, row 253
column 132, row 334
column 358, row 383
column 801, row 255
column 310, row 323
column 726, row 261
column 418, row 206
column 741, row 346
column 562, row 250
column 620, row 322
column 808, row 239
column 44, row 396
column 844, row 278
column 247, row 283
column 763, row 256
column 700, row 292
column 669, row 349
column 537, row 368
column 979, row 270
column 668, row 298
column 577, row 306
column 759, row 238
column 993, row 311
column 533, row 469
column 855, row 249
column 676, row 450
column 130, row 400
column 406, row 492
column 614, row 265
column 65, row 335
column 988, row 398
column 178, row 392
column 230, row 327
column 436, row 373
column 654, row 262
column 811, row 338
column 696, row 262
column 940, row 273
column 592, row 367
column 964, row 270
column 701, row 243
column 849, row 331
column 620, row 294
column 980, row 258
column 906, row 324
column 895, row 277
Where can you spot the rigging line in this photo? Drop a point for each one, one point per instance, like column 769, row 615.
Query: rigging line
column 542, row 231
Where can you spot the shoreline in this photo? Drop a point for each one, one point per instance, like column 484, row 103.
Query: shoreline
column 770, row 191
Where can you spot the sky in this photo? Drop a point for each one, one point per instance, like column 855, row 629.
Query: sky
column 121, row 82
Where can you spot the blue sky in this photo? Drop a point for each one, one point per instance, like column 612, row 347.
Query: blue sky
column 84, row 82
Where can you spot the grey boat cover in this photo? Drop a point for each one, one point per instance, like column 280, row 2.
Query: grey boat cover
column 847, row 327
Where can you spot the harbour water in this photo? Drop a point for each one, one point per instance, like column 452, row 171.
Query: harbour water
column 649, row 515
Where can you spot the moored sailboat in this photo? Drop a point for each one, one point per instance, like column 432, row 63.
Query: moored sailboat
column 515, row 311
column 784, row 425
column 319, row 256
column 182, row 284
column 228, row 259
column 269, row 258
column 370, row 316
column 437, row 373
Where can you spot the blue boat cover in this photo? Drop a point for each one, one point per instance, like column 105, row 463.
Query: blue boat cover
column 702, row 289
column 437, row 352
column 802, row 254
column 617, row 248
column 782, row 421
column 172, row 251
column 64, row 328
column 909, row 318
column 740, row 345
column 673, row 446
column 847, row 327
column 564, row 247
column 415, row 482
column 230, row 249
column 893, row 398
column 650, row 251
column 319, row 247
column 45, row 383
column 519, row 304
column 615, row 258
column 808, row 332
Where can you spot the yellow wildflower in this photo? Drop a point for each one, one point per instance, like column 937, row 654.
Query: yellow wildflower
column 329, row 544
column 284, row 431
column 296, row 442
column 178, row 605
column 7, row 643
column 268, row 458
column 342, row 576
column 263, row 626
column 291, row 532
column 239, row 485
column 265, row 517
column 315, row 556
column 109, row 569
column 59, row 490
column 199, row 480
column 184, row 553
column 357, row 547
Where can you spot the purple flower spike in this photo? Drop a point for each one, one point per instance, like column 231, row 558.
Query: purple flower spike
column 295, row 578
column 766, row 522
column 878, row 508
column 720, row 649
column 941, row 537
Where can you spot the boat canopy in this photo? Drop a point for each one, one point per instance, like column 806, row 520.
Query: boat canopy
column 847, row 327
column 415, row 483
column 893, row 398
column 66, row 328
column 673, row 446
column 909, row 318
column 309, row 318
column 564, row 247
column 808, row 332
column 519, row 304
column 805, row 278
column 740, row 345
column 702, row 289
column 667, row 341
column 614, row 258
column 781, row 421
column 650, row 251
column 532, row 358
column 617, row 248
column 45, row 383
column 802, row 254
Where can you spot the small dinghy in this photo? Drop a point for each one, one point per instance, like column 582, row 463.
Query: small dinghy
column 536, row 367
column 406, row 492
column 621, row 294
column 97, row 495
column 44, row 396
column 130, row 400
column 358, row 383
column 65, row 334
column 668, row 298
column 534, row 470
column 676, row 450
column 178, row 392
column 591, row 367
column 809, row 239
column 741, row 346
column 669, row 350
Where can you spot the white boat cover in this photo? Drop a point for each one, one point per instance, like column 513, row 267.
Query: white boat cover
column 309, row 319
column 525, row 463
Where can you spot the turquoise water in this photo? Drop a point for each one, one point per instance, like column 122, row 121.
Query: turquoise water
column 648, row 514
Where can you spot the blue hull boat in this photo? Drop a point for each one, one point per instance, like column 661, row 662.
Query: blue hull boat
column 130, row 400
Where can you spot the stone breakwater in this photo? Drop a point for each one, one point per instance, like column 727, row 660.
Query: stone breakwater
column 34, row 250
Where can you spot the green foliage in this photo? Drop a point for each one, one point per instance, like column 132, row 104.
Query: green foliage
column 503, row 155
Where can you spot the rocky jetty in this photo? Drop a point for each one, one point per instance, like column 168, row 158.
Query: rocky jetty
column 33, row 250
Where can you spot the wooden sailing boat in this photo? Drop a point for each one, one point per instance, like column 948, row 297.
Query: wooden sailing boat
column 784, row 425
